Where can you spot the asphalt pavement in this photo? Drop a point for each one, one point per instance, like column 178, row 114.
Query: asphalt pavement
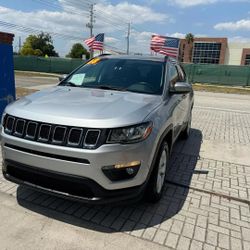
column 34, row 81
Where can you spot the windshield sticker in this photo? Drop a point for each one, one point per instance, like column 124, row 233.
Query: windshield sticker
column 77, row 79
column 94, row 61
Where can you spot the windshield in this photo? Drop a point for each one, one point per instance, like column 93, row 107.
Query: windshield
column 119, row 74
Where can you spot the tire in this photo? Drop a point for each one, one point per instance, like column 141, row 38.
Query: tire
column 157, row 179
column 186, row 132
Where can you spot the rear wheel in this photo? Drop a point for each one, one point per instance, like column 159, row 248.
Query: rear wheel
column 157, row 180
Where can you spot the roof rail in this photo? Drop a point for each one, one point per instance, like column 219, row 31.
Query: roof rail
column 105, row 54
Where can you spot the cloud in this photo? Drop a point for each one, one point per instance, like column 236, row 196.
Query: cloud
column 177, row 35
column 243, row 24
column 111, row 40
column 190, row 3
column 239, row 39
column 138, row 14
column 71, row 16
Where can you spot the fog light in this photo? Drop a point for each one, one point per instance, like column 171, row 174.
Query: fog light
column 122, row 171
column 130, row 171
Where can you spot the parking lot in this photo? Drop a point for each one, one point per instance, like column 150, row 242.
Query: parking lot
column 206, row 203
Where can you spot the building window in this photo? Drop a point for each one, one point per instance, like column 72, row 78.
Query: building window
column 206, row 52
column 247, row 60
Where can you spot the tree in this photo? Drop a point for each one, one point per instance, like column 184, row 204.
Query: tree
column 77, row 51
column 190, row 40
column 39, row 45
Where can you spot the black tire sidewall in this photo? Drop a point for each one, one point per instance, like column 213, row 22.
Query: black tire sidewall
column 152, row 195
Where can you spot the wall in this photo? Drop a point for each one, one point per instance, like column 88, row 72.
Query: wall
column 218, row 74
column 48, row 65
column 245, row 52
column 188, row 47
column 203, row 73
column 234, row 53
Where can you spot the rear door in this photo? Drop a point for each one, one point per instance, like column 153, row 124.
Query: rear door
column 177, row 101
column 185, row 103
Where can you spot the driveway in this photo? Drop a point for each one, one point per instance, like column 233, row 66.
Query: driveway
column 205, row 204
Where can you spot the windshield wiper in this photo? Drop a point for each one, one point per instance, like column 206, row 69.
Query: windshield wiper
column 109, row 87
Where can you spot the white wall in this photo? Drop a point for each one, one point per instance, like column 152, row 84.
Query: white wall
column 234, row 53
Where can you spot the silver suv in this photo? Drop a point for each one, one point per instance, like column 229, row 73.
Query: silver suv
column 104, row 134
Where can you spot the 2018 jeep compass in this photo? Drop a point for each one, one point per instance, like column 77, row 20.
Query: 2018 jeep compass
column 105, row 133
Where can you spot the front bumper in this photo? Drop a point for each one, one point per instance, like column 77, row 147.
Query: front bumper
column 81, row 163
column 70, row 186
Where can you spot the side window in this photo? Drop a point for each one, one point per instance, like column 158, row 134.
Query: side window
column 182, row 76
column 173, row 75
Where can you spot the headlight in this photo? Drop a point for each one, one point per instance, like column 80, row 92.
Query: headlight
column 130, row 134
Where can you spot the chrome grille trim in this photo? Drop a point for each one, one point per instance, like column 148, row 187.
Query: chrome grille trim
column 53, row 134
column 46, row 133
column 7, row 122
column 80, row 137
column 27, row 127
column 19, row 134
column 91, row 130
column 39, row 133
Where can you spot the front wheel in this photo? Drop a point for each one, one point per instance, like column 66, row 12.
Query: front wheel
column 157, row 180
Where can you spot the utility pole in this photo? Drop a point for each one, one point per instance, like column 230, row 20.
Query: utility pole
column 128, row 37
column 90, row 25
column 19, row 45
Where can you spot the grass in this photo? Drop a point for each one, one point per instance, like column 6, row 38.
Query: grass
column 221, row 89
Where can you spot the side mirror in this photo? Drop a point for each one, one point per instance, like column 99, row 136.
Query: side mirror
column 62, row 77
column 181, row 88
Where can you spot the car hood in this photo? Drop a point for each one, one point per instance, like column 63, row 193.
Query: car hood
column 85, row 107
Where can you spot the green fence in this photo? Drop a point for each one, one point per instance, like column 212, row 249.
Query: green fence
column 197, row 73
column 218, row 74
column 48, row 65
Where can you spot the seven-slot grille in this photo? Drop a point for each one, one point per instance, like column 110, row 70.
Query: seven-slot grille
column 52, row 133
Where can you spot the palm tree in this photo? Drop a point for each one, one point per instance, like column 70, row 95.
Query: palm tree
column 190, row 39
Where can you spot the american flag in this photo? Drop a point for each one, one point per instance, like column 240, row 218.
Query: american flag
column 168, row 46
column 96, row 42
column 89, row 41
column 157, row 42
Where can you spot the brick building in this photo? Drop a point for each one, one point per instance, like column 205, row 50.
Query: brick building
column 214, row 51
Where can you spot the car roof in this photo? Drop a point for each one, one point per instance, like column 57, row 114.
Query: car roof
column 139, row 57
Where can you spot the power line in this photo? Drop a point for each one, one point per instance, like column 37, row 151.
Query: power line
column 114, row 21
column 35, row 30
column 56, row 7
column 24, row 29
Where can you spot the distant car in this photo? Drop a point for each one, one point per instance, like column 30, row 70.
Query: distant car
column 104, row 134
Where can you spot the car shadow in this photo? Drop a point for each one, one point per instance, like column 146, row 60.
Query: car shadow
column 130, row 216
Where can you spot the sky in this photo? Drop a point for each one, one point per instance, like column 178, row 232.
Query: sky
column 66, row 20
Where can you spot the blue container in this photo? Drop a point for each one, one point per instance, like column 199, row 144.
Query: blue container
column 7, row 79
